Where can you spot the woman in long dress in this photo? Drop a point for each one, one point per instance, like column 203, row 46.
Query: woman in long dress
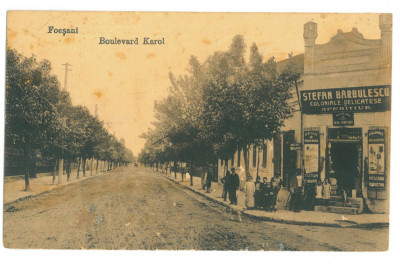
column 249, row 189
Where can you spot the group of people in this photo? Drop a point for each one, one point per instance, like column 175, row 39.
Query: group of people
column 314, row 194
column 323, row 191
column 259, row 195
column 263, row 195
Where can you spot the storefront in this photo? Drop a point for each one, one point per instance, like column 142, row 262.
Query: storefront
column 346, row 102
column 341, row 130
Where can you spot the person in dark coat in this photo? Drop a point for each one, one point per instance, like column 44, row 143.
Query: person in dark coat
column 275, row 187
column 264, row 194
column 258, row 194
column 225, row 181
column 209, row 179
column 233, row 186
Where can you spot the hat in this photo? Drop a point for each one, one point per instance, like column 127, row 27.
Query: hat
column 232, row 169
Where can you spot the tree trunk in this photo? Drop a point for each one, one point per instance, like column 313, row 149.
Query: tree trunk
column 223, row 171
column 27, row 165
column 55, row 170
column 175, row 169
column 84, row 167
column 191, row 173
column 91, row 167
column 258, row 161
column 97, row 165
column 182, row 169
column 32, row 168
column 68, row 168
column 246, row 160
column 60, row 171
column 79, row 166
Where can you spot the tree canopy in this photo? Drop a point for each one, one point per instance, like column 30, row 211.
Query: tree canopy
column 40, row 116
column 223, row 105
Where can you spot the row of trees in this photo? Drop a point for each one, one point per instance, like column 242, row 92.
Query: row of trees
column 224, row 104
column 40, row 116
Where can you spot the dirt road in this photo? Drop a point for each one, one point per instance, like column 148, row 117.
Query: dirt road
column 135, row 208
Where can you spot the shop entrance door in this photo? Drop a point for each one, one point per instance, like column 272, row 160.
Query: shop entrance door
column 346, row 159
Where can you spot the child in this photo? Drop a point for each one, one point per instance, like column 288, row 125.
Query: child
column 326, row 190
column 249, row 189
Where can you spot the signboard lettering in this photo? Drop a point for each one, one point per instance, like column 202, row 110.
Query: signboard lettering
column 311, row 156
column 376, row 158
column 355, row 99
column 311, row 177
column 295, row 146
column 343, row 119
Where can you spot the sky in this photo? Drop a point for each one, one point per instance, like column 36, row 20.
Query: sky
column 125, row 80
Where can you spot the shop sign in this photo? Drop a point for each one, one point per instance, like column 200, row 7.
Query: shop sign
column 311, row 155
column 376, row 158
column 343, row 119
column 295, row 146
column 311, row 177
column 338, row 100
column 376, row 136
column 311, row 137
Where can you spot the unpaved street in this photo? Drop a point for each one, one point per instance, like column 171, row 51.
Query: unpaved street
column 135, row 208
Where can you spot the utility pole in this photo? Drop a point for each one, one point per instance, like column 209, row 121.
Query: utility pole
column 61, row 162
column 66, row 74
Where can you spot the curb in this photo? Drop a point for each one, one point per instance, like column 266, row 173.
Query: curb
column 47, row 191
column 277, row 220
column 202, row 194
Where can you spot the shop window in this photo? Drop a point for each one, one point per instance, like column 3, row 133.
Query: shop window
column 264, row 159
column 254, row 156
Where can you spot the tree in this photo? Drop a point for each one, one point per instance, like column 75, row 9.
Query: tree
column 242, row 103
column 223, row 105
column 32, row 94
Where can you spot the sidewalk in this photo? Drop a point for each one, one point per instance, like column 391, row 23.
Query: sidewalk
column 14, row 189
column 284, row 216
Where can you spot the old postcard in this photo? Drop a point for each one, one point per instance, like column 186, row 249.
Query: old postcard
column 197, row 131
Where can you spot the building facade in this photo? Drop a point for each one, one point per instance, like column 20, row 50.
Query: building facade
column 346, row 102
column 341, row 129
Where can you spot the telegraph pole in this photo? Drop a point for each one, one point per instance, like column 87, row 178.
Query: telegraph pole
column 66, row 74
column 61, row 162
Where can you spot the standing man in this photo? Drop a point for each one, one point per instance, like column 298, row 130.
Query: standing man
column 225, row 181
column 233, row 186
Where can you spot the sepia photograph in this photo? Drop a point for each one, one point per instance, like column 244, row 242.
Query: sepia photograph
column 205, row 131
